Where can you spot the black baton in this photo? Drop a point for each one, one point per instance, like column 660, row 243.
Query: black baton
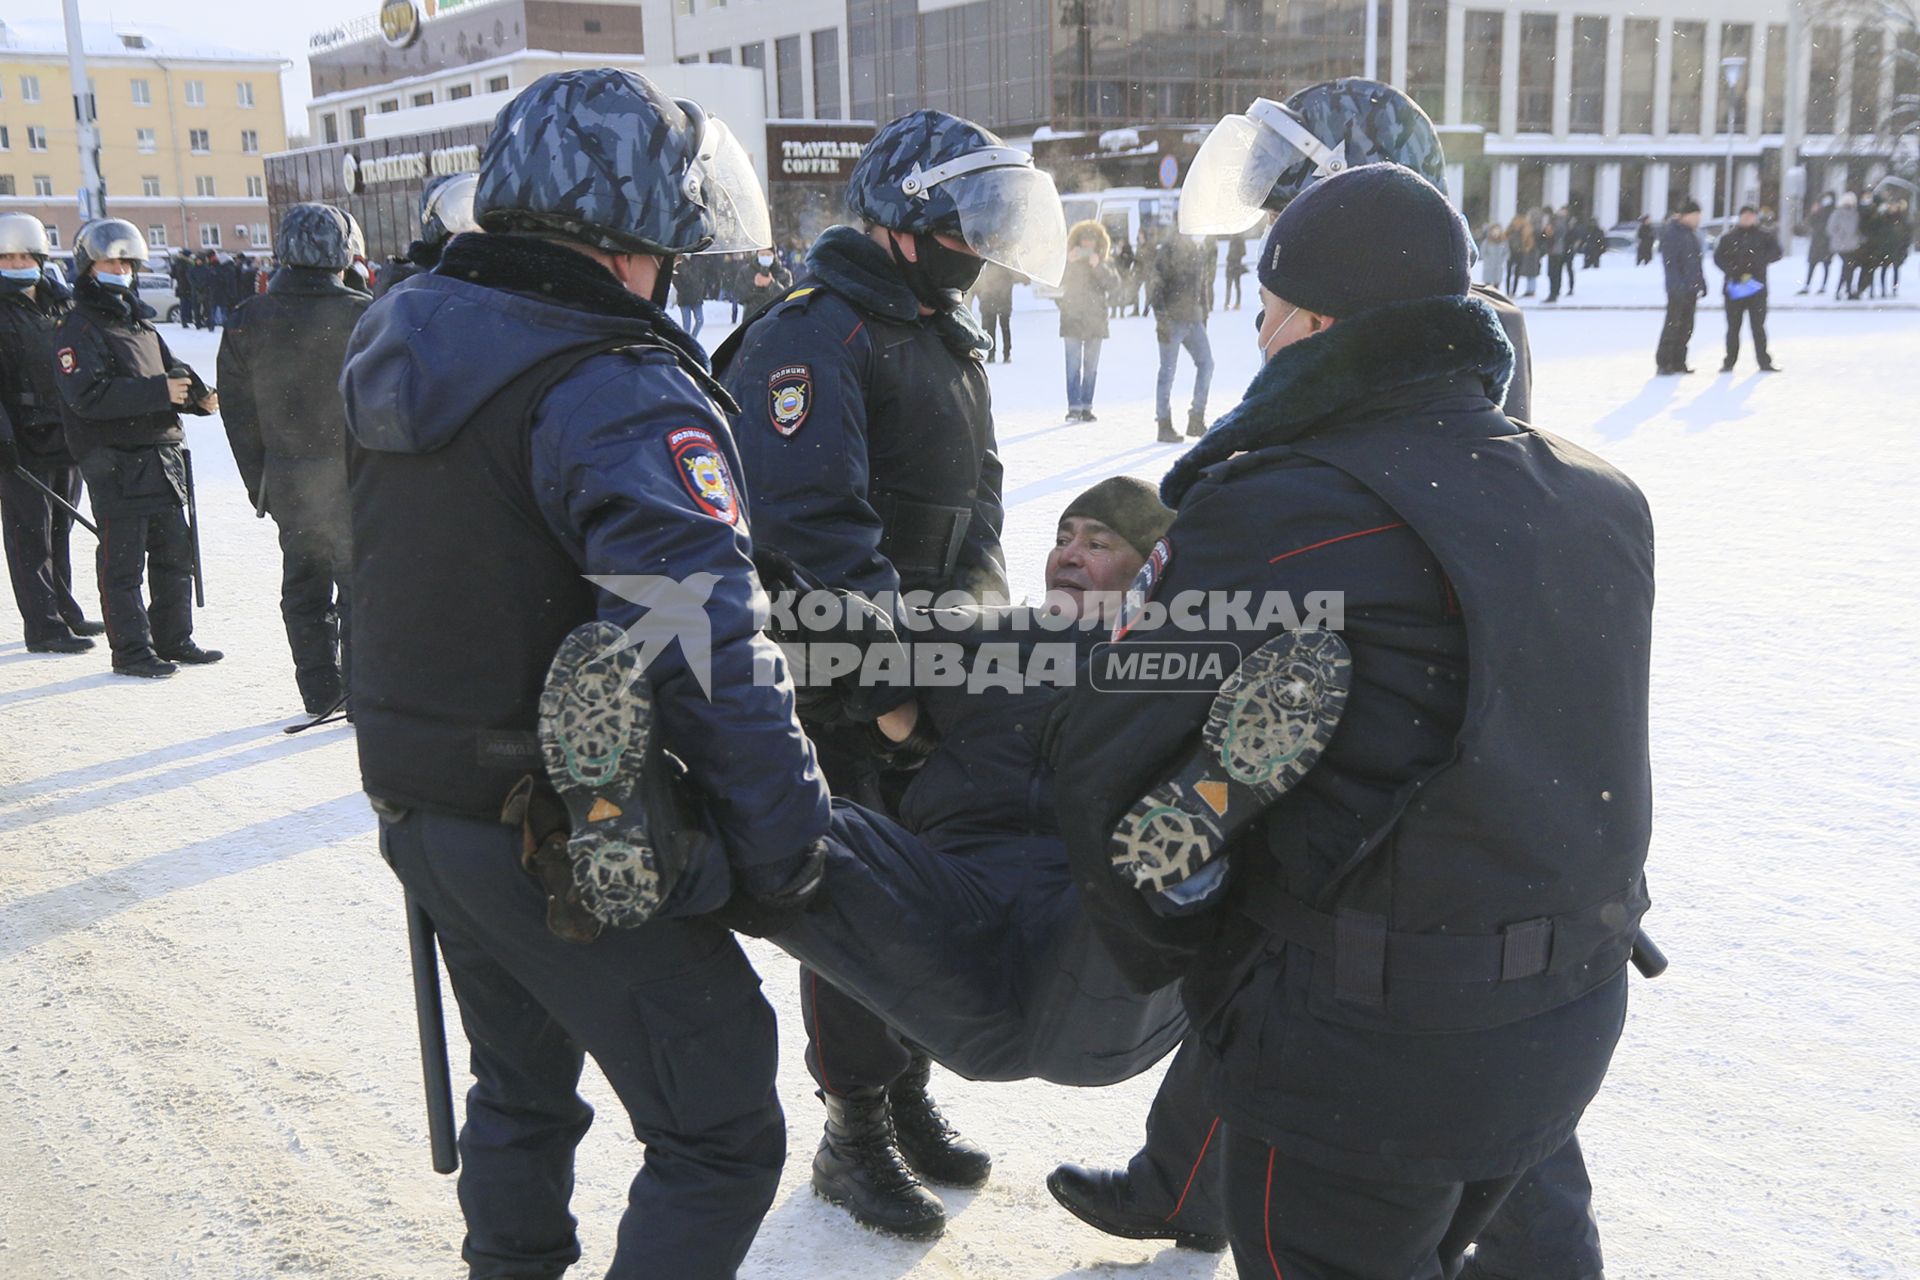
column 70, row 509
column 193, row 532
column 433, row 1038
column 1647, row 958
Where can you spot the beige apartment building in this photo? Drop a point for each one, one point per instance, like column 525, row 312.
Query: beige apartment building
column 184, row 128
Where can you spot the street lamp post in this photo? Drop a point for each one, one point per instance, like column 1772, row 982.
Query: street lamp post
column 1732, row 69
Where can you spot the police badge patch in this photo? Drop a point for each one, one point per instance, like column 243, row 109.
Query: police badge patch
column 790, row 397
column 703, row 469
column 67, row 361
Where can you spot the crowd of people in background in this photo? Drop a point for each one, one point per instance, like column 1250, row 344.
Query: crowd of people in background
column 1869, row 236
column 209, row 286
column 745, row 281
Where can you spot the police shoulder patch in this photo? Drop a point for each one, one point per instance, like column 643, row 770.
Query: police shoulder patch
column 68, row 361
column 790, row 397
column 702, row 468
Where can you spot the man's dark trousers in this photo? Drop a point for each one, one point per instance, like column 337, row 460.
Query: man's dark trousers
column 157, row 548
column 1676, row 332
column 672, row 1013
column 1545, row 1230
column 36, row 531
column 1755, row 310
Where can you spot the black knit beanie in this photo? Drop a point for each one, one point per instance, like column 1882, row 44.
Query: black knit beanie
column 1129, row 507
column 1364, row 238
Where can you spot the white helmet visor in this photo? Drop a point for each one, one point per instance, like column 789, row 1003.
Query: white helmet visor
column 1012, row 215
column 722, row 182
column 452, row 203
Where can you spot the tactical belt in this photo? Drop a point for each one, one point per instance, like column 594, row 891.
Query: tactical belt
column 922, row 539
column 1368, row 957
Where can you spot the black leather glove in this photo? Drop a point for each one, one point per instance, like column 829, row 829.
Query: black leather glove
column 765, row 915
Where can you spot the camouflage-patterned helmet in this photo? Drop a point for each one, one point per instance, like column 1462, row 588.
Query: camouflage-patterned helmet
column 1263, row 159
column 604, row 158
column 108, row 240
column 932, row 172
column 446, row 207
column 316, row 235
column 24, row 233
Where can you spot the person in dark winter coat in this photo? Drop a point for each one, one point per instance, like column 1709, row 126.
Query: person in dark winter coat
column 200, row 280
column 1128, row 266
column 181, row 269
column 1743, row 255
column 1686, row 285
column 994, row 290
column 866, row 429
column 1562, row 239
column 1236, row 268
column 691, row 281
column 1178, row 295
column 763, row 280
column 1089, row 284
column 1643, row 238
column 530, row 430
column 121, row 396
column 280, row 364
column 33, row 447
column 1430, row 1061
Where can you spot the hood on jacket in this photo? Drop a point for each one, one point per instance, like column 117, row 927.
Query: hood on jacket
column 426, row 357
column 1090, row 229
column 1308, row 385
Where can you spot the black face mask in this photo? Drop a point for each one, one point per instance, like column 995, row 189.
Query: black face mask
column 940, row 275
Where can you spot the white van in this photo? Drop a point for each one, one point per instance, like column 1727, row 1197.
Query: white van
column 1123, row 211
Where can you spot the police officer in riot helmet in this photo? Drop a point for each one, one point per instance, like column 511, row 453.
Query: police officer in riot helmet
column 866, row 430
column 446, row 210
column 547, row 437
column 32, row 447
column 121, row 396
column 280, row 362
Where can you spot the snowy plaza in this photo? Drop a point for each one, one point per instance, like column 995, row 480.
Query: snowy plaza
column 209, row 1065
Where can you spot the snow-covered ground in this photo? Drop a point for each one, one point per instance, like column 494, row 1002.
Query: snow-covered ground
column 207, row 1065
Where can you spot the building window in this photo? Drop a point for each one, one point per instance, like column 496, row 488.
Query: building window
column 199, row 141
column 203, row 186
column 29, row 88
column 150, row 186
column 1639, row 46
column 196, row 93
column 1906, row 70
column 356, row 122
column 423, row 99
column 260, row 236
column 592, row 26
column 142, row 94
column 1736, row 41
column 826, row 74
column 329, row 128
column 497, row 84
column 250, row 142
column 387, row 106
column 1773, row 111
column 6, row 139
column 36, row 137
column 42, row 185
column 1689, row 79
column 1427, row 56
column 1480, row 90
column 244, row 93
column 754, row 55
column 1589, row 79
column 459, row 91
column 1824, row 79
column 1537, row 35
column 6, row 184
column 157, row 236
column 789, row 91
column 1869, row 51
column 721, row 55
column 209, row 236
column 53, row 235
column 256, row 187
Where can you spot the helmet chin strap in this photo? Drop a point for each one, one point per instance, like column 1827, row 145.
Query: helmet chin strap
column 1326, row 160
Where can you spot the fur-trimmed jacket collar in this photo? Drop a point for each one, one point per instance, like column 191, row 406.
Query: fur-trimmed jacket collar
column 1323, row 382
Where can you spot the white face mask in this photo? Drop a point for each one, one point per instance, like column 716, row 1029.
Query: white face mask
column 764, row 260
column 1276, row 333
column 116, row 279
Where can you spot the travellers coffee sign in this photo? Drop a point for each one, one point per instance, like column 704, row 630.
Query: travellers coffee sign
column 821, row 151
column 409, row 166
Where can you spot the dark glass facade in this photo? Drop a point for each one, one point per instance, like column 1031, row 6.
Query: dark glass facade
column 1688, row 82
column 1823, row 88
column 1537, row 33
column 1589, row 75
column 1427, row 56
column 1869, row 56
column 826, row 74
column 1480, row 91
column 388, row 211
column 1773, row 112
column 1736, row 41
column 1639, row 71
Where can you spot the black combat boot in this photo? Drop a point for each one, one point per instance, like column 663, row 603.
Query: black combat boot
column 932, row 1147
column 1167, row 434
column 859, row 1168
column 1103, row 1199
column 1196, row 423
column 192, row 655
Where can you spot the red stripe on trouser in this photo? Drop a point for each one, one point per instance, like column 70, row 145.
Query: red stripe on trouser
column 1266, row 1215
column 1194, row 1172
column 813, row 1030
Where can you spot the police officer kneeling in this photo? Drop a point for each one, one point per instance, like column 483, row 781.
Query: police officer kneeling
column 526, row 415
column 121, row 396
column 1411, row 979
